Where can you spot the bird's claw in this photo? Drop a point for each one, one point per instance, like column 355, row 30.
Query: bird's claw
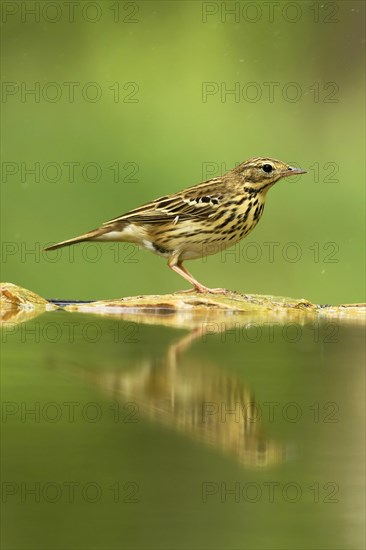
column 205, row 290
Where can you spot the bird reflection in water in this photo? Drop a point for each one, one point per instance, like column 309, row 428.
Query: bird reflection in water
column 195, row 397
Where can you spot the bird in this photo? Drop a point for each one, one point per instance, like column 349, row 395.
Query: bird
column 198, row 221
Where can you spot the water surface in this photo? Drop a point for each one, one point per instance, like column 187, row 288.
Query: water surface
column 202, row 433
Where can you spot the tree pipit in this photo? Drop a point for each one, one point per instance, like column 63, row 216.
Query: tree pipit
column 198, row 221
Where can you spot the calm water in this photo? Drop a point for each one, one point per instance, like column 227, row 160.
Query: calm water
column 177, row 432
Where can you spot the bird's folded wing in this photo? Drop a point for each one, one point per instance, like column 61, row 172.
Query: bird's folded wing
column 191, row 204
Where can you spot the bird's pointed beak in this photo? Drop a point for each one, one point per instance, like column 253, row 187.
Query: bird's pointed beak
column 292, row 171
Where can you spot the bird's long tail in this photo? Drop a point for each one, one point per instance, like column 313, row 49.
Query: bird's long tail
column 90, row 236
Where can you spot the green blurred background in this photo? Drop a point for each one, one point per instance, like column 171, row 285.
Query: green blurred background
column 161, row 54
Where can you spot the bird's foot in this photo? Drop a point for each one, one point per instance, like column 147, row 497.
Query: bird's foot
column 203, row 290
column 206, row 290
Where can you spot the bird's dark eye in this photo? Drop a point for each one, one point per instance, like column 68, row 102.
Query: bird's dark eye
column 267, row 168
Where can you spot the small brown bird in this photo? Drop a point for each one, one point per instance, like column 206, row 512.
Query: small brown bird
column 198, row 221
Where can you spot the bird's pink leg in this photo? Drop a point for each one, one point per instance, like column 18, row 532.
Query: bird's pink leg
column 181, row 270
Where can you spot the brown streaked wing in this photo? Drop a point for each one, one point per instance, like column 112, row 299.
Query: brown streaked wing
column 200, row 202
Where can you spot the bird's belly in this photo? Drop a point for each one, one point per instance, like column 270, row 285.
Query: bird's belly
column 201, row 244
column 202, row 248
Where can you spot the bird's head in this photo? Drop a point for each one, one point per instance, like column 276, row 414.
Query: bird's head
column 259, row 174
